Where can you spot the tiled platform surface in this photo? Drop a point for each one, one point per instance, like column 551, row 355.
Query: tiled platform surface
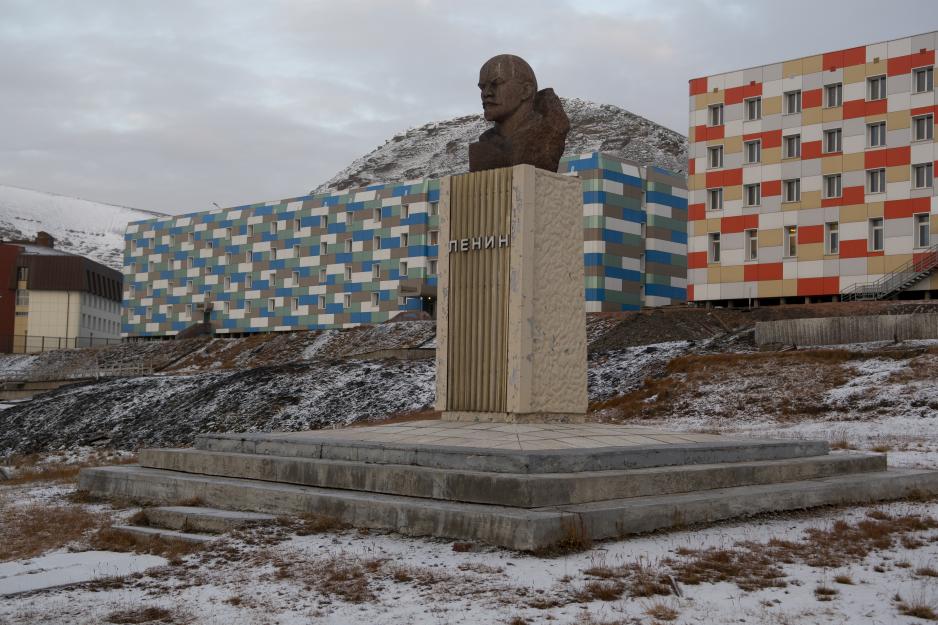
column 510, row 448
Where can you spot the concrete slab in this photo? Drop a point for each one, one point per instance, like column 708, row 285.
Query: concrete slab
column 523, row 490
column 514, row 528
column 158, row 532
column 192, row 518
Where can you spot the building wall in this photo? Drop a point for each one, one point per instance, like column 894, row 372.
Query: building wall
column 316, row 268
column 814, row 269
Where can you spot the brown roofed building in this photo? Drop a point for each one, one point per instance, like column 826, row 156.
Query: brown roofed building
column 51, row 299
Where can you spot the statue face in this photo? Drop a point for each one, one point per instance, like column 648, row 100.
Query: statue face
column 502, row 92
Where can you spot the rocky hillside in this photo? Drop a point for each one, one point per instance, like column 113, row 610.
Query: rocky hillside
column 441, row 148
column 79, row 226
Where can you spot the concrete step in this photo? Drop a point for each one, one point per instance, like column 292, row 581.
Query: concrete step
column 347, row 445
column 156, row 532
column 514, row 528
column 192, row 518
column 531, row 490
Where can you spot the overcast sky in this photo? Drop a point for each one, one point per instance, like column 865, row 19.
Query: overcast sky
column 172, row 105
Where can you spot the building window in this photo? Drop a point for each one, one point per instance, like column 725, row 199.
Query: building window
column 715, row 115
column 922, row 128
column 714, row 247
column 792, row 146
column 833, row 95
column 190, row 238
column 322, row 302
column 273, row 227
column 376, row 214
column 922, row 79
column 247, row 305
column 250, row 230
column 922, row 230
column 715, row 199
column 348, row 273
column 149, row 312
column 322, row 276
column 188, row 262
column 376, row 243
column 752, row 244
column 227, row 233
column 224, row 308
column 832, row 238
column 792, row 190
column 403, row 269
column 876, row 234
column 227, row 282
column 348, row 217
column 405, row 211
column 876, row 181
column 792, row 102
column 434, row 208
column 715, row 156
column 297, row 224
column 150, row 290
column 295, row 278
column 375, row 271
column 348, row 246
column 190, row 287
column 405, row 239
column 922, row 176
column 876, row 134
column 296, row 251
column 323, row 248
column 832, row 186
column 248, row 282
column 833, row 140
column 294, row 304
column 791, row 241
column 22, row 297
column 347, row 300
column 375, row 299
column 131, row 292
column 434, row 237
column 876, row 88
column 431, row 267
column 753, row 109
column 753, row 151
column 325, row 221
column 227, row 258
column 751, row 194
column 271, row 304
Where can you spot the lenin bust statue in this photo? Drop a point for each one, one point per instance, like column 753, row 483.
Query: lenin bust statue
column 530, row 126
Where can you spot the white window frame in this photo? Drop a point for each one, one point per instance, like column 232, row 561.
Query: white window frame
column 752, row 195
column 376, row 215
column 405, row 211
column 880, row 135
column 295, row 278
column 929, row 72
column 294, row 304
column 402, row 269
column 713, row 247
column 880, row 92
column 376, row 242
column 227, row 282
column 788, row 184
column 322, row 302
column 432, row 266
column 323, row 276
column 827, row 187
column 929, row 127
column 927, row 176
column 792, row 140
column 375, row 298
column 711, row 152
column 919, row 220
column 297, row 224
column 246, row 306
column 271, row 304
column 348, row 246
column 753, row 149
column 832, row 237
column 879, row 176
column 836, row 89
column 433, row 237
column 248, row 282
column 752, row 245
column 434, row 208
column 348, row 273
column 837, row 133
column 715, row 114
column 790, row 242
column 376, row 271
column 405, row 239
column 346, row 301
column 786, row 102
column 715, row 196
column 876, row 227
column 753, row 108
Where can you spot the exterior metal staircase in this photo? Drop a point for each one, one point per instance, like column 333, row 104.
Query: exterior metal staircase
column 922, row 265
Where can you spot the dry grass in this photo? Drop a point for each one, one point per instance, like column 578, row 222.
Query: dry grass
column 33, row 529
column 576, row 538
column 846, row 580
column 601, row 590
column 753, row 566
column 825, row 593
column 661, row 612
column 918, row 609
column 36, row 468
column 926, row 571
column 151, row 614
column 641, row 578
column 111, row 539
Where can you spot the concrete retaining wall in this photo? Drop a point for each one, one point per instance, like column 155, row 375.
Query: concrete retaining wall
column 840, row 330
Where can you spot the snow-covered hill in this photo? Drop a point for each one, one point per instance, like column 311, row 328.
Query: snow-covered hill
column 79, row 226
column 441, row 148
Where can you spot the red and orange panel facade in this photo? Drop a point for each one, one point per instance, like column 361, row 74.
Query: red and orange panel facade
column 809, row 176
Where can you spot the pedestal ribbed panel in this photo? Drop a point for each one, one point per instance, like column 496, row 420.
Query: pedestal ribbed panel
column 480, row 227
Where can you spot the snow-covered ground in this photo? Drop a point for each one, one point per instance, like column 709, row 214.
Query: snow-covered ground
column 79, row 226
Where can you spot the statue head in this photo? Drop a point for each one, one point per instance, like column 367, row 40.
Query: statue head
column 508, row 88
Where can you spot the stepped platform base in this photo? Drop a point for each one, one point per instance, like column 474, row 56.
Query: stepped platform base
column 521, row 486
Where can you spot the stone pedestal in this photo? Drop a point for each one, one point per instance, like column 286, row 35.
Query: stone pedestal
column 511, row 321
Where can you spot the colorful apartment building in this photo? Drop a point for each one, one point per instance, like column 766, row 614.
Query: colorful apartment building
column 813, row 177
column 365, row 255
